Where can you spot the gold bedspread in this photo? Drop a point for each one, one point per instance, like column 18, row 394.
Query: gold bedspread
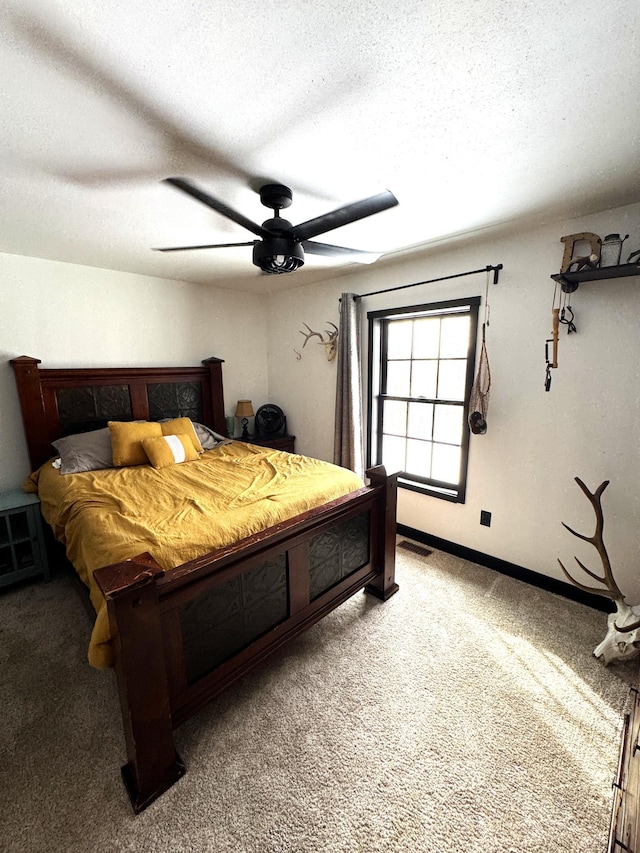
column 177, row 513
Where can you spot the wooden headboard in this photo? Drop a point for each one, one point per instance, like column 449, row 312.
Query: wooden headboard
column 57, row 402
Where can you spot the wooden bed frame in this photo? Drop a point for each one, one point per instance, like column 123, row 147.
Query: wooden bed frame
column 181, row 638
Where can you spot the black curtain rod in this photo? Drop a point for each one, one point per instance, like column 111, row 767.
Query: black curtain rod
column 495, row 269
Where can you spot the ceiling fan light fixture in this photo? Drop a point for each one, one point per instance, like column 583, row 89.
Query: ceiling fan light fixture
column 278, row 264
column 278, row 256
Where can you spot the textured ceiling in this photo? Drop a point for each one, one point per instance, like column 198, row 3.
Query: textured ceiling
column 473, row 112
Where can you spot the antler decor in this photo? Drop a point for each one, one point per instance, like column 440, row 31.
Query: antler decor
column 329, row 344
column 622, row 639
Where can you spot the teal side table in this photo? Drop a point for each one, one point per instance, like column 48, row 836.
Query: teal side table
column 22, row 551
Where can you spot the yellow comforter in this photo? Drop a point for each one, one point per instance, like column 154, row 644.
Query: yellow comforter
column 177, row 513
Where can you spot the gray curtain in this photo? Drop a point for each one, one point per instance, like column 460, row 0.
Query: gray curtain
column 348, row 448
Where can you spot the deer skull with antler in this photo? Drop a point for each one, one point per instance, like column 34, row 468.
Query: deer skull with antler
column 622, row 639
column 329, row 344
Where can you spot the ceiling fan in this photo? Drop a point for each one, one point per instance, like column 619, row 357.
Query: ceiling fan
column 282, row 246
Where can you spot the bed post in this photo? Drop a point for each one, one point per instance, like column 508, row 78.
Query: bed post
column 134, row 618
column 383, row 586
column 32, row 405
column 214, row 365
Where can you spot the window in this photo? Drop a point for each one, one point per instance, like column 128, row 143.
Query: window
column 421, row 362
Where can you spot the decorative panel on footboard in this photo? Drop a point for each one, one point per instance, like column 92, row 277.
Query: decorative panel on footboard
column 228, row 617
column 337, row 553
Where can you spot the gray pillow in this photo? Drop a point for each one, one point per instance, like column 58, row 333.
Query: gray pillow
column 208, row 438
column 85, row 451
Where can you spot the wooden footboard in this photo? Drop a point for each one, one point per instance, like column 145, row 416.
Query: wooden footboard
column 182, row 637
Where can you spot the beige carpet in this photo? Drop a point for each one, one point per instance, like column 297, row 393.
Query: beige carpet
column 465, row 714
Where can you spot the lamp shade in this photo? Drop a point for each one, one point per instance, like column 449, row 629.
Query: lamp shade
column 244, row 409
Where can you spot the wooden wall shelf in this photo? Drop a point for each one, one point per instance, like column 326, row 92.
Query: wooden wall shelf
column 571, row 280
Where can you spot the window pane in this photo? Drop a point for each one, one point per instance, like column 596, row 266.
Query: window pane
column 451, row 380
column 395, row 417
column 454, row 336
column 419, row 458
column 399, row 339
column 446, row 463
column 393, row 453
column 447, row 424
column 398, row 378
column 426, row 337
column 423, row 379
column 420, row 420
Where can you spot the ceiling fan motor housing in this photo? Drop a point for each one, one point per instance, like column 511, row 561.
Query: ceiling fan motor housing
column 277, row 255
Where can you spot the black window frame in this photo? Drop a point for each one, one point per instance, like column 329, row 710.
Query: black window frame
column 377, row 364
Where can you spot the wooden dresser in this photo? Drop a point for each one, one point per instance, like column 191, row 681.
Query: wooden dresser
column 279, row 442
column 625, row 830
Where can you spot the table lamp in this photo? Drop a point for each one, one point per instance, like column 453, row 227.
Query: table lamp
column 244, row 410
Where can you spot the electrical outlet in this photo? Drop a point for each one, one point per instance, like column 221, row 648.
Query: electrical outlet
column 485, row 517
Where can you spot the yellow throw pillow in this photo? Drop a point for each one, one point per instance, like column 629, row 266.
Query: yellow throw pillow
column 168, row 450
column 182, row 426
column 126, row 441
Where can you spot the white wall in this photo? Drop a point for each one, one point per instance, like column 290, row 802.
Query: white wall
column 71, row 316
column 523, row 469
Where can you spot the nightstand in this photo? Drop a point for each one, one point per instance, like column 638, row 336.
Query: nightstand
column 278, row 442
column 22, row 551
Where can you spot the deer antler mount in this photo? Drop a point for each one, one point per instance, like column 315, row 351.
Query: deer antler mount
column 622, row 639
column 330, row 343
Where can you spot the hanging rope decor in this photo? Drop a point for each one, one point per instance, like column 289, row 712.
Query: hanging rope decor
column 479, row 399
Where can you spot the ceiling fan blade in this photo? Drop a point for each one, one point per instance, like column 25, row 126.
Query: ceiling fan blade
column 357, row 255
column 211, row 246
column 50, row 40
column 345, row 215
column 217, row 205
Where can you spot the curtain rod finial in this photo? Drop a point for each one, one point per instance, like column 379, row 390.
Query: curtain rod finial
column 496, row 272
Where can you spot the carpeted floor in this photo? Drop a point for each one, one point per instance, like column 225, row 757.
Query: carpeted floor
column 467, row 713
